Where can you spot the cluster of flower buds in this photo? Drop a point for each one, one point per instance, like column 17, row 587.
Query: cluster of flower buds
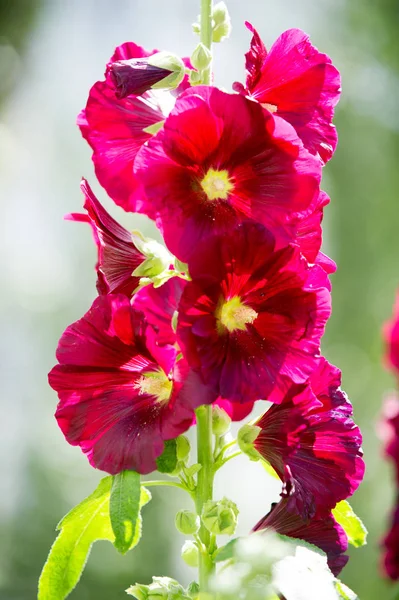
column 233, row 310
column 389, row 430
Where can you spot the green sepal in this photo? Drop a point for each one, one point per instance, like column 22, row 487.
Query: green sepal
column 124, row 508
column 154, row 128
column 269, row 469
column 226, row 552
column 167, row 462
column 350, row 522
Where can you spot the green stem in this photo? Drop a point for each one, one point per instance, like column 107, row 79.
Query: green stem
column 206, row 35
column 204, row 489
column 226, row 460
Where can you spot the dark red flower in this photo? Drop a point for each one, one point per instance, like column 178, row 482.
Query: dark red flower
column 297, row 82
column 117, row 128
column 389, row 431
column 325, row 533
column 312, row 442
column 252, row 316
column 390, row 562
column 221, row 159
column 391, row 334
column 160, row 306
column 118, row 257
column 119, row 390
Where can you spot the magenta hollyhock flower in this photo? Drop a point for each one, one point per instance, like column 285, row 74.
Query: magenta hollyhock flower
column 391, row 334
column 312, row 442
column 118, row 257
column 119, row 390
column 116, row 128
column 325, row 533
column 160, row 306
column 297, row 82
column 221, row 159
column 252, row 316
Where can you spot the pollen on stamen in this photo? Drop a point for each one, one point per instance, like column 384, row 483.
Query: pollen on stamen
column 155, row 384
column 234, row 315
column 217, row 184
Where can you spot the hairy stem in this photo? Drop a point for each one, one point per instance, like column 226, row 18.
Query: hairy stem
column 204, row 489
column 206, row 35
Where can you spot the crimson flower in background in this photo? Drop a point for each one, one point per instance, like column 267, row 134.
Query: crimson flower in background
column 297, row 82
column 389, row 430
column 118, row 389
column 325, row 533
column 221, row 159
column 116, row 128
column 391, row 334
column 312, row 442
column 252, row 317
column 118, row 257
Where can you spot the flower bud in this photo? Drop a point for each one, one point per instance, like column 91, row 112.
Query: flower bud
column 201, row 57
column 189, row 553
column 158, row 258
column 221, row 22
column 161, row 588
column 138, row 75
column 245, row 439
column 182, row 448
column 195, row 78
column 220, row 517
column 187, row 522
column 193, row 589
column 220, row 420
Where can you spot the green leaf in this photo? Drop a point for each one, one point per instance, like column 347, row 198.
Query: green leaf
column 344, row 592
column 353, row 526
column 88, row 522
column 124, row 508
column 167, row 462
column 226, row 552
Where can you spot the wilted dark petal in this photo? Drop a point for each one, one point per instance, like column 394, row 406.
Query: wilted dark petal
column 325, row 533
column 312, row 442
column 118, row 257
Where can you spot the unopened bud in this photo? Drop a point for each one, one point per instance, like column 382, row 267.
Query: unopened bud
column 221, row 22
column 245, row 439
column 187, row 522
column 220, row 420
column 220, row 517
column 189, row 553
column 182, row 448
column 201, row 57
column 193, row 589
column 138, row 75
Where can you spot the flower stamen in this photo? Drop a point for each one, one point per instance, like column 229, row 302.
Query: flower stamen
column 234, row 315
column 217, row 184
column 156, row 384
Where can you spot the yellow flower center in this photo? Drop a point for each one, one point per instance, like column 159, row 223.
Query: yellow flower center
column 155, row 383
column 233, row 314
column 270, row 107
column 217, row 184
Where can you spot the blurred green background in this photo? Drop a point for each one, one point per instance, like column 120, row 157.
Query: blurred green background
column 50, row 54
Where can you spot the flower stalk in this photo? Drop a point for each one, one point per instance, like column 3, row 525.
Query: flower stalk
column 204, row 490
column 206, row 35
